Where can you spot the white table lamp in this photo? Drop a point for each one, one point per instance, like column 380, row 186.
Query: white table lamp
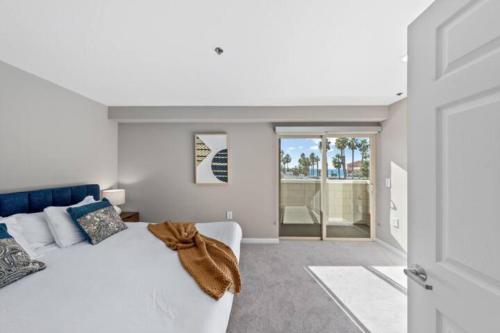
column 116, row 197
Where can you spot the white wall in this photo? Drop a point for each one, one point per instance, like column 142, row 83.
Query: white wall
column 156, row 167
column 392, row 164
column 50, row 136
column 248, row 114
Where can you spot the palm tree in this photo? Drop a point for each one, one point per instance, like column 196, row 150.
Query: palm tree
column 352, row 144
column 314, row 161
column 305, row 163
column 364, row 149
column 337, row 164
column 282, row 159
column 286, row 160
column 312, row 158
column 341, row 144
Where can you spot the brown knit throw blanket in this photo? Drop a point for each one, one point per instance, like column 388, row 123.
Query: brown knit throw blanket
column 211, row 263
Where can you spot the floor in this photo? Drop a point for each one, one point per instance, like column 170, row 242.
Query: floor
column 352, row 231
column 299, row 221
column 280, row 295
column 370, row 294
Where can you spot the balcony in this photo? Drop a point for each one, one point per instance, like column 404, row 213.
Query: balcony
column 347, row 205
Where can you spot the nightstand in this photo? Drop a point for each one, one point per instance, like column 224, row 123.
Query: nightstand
column 130, row 216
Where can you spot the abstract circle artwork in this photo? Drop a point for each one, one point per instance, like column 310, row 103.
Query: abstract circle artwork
column 219, row 165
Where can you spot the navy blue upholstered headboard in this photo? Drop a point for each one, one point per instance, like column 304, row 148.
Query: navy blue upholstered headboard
column 35, row 201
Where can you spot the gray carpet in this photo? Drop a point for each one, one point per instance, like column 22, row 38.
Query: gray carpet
column 280, row 296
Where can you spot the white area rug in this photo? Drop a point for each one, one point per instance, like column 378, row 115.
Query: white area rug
column 373, row 296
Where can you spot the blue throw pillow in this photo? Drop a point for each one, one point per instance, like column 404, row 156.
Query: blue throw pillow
column 3, row 231
column 97, row 220
column 15, row 263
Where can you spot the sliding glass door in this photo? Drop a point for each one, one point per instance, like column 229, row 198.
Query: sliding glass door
column 336, row 203
column 348, row 208
column 300, row 187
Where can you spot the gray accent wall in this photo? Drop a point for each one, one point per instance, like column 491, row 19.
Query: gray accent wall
column 392, row 214
column 50, row 136
column 156, row 167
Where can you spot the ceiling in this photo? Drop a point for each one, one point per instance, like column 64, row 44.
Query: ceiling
column 161, row 52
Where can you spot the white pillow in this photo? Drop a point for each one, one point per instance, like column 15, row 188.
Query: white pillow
column 16, row 231
column 64, row 230
column 35, row 229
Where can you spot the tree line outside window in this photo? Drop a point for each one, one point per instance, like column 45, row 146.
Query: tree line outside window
column 308, row 165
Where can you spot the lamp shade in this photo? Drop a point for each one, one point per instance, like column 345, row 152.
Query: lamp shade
column 116, row 196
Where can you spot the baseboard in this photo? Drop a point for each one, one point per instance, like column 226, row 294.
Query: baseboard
column 260, row 241
column 391, row 248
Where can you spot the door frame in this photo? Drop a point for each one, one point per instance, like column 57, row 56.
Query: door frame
column 373, row 182
column 278, row 192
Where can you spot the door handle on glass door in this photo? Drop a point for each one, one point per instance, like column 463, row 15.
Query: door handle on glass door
column 419, row 275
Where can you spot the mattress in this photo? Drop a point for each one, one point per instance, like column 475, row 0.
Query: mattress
column 130, row 282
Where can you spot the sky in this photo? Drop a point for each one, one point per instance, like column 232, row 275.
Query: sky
column 296, row 146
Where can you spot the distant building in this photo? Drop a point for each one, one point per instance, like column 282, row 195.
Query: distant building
column 357, row 166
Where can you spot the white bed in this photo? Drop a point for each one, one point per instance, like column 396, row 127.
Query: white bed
column 130, row 282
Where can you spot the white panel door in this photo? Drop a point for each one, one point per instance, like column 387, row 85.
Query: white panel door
column 454, row 167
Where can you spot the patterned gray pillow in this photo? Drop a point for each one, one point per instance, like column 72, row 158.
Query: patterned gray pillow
column 100, row 224
column 15, row 263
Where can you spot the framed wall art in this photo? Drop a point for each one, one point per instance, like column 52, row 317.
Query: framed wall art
column 211, row 158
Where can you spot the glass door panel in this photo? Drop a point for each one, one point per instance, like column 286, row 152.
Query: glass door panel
column 300, row 187
column 348, row 185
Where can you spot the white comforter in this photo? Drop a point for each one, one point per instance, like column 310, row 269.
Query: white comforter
column 130, row 282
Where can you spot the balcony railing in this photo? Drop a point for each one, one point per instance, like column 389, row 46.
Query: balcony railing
column 347, row 200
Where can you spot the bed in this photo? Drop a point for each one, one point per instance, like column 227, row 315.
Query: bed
column 129, row 283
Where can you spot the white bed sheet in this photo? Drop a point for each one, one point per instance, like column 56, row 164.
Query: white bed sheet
column 130, row 282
